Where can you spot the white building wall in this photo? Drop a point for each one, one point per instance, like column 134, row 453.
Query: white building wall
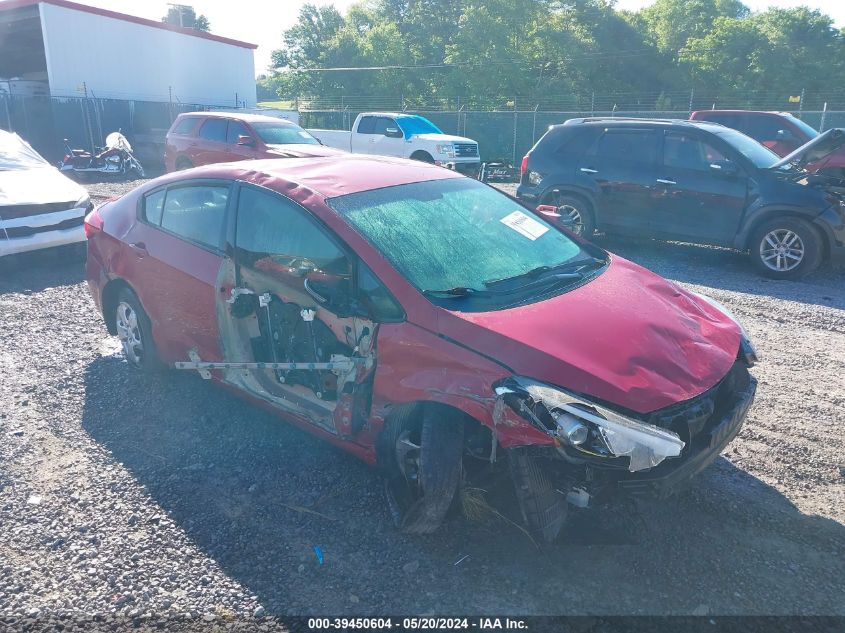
column 124, row 60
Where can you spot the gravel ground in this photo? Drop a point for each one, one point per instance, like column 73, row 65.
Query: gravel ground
column 165, row 497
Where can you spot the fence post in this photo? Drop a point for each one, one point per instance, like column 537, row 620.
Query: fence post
column 534, row 126
column 8, row 113
column 824, row 115
column 691, row 97
column 513, row 162
column 801, row 104
column 593, row 104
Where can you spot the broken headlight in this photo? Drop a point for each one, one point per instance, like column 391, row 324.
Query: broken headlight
column 588, row 427
column 746, row 348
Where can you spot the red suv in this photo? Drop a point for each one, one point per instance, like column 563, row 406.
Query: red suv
column 427, row 323
column 779, row 131
column 201, row 138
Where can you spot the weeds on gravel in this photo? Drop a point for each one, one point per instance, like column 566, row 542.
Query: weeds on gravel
column 475, row 508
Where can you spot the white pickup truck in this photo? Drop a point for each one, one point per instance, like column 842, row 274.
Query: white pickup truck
column 405, row 136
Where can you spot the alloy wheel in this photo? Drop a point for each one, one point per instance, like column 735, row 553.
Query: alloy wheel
column 129, row 333
column 569, row 211
column 782, row 250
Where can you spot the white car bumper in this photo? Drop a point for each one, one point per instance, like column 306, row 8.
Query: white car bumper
column 39, row 232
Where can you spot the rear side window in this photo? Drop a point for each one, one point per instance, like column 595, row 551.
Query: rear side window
column 366, row 125
column 153, row 206
column 685, row 152
column 763, row 128
column 214, row 130
column 627, row 145
column 236, row 129
column 196, row 213
column 185, row 126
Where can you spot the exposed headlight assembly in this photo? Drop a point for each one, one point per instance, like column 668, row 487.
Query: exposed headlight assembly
column 746, row 347
column 589, row 427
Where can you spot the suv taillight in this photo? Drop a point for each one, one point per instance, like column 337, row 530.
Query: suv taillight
column 524, row 166
column 93, row 223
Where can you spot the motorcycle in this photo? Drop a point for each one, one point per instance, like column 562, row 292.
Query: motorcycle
column 115, row 158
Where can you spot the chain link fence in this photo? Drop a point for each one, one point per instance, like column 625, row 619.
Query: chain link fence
column 508, row 134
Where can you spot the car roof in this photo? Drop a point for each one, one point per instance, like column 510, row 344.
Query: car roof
column 328, row 176
column 240, row 116
column 633, row 122
column 766, row 112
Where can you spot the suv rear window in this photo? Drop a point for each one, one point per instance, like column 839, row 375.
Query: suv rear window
column 214, row 130
column 185, row 126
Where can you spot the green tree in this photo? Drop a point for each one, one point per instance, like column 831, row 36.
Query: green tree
column 184, row 15
column 670, row 23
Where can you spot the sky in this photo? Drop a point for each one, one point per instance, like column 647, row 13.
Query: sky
column 262, row 22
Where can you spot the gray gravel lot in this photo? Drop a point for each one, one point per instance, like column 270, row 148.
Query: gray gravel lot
column 165, row 497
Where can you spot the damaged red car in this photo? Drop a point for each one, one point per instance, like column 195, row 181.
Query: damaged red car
column 427, row 323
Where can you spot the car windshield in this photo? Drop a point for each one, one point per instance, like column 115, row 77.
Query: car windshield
column 758, row 154
column 463, row 244
column 15, row 153
column 283, row 134
column 411, row 125
column 809, row 130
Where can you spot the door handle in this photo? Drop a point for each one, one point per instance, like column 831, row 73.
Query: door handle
column 663, row 181
column 139, row 248
column 587, row 170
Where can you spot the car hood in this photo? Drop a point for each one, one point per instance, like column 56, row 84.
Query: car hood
column 443, row 138
column 815, row 150
column 37, row 186
column 301, row 151
column 628, row 337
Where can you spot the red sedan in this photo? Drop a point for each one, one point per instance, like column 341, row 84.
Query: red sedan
column 427, row 323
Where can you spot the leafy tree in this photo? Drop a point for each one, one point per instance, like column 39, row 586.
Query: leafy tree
column 184, row 15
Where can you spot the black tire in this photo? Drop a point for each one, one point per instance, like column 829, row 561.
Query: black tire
column 419, row 505
column 145, row 359
column 763, row 241
column 423, row 157
column 544, row 509
column 183, row 163
column 580, row 206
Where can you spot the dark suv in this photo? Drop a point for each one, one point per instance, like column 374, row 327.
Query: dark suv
column 693, row 181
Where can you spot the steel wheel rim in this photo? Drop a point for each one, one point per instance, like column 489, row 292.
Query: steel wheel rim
column 573, row 214
column 129, row 333
column 782, row 250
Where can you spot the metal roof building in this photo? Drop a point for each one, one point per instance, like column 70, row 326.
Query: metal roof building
column 73, row 48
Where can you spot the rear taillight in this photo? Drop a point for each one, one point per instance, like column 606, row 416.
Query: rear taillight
column 524, row 166
column 93, row 223
column 66, row 158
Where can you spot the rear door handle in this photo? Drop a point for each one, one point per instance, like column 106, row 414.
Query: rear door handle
column 587, row 170
column 139, row 248
column 663, row 181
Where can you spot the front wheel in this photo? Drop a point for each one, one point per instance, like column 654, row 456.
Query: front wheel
column 421, row 449
column 785, row 248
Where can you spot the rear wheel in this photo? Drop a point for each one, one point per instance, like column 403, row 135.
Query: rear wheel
column 574, row 208
column 135, row 332
column 421, row 449
column 785, row 248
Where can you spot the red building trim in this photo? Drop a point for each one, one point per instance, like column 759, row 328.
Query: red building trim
column 7, row 5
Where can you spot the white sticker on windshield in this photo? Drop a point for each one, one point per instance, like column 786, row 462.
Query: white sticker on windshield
column 524, row 225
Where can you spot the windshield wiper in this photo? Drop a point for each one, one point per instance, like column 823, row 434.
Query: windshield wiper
column 562, row 271
column 458, row 291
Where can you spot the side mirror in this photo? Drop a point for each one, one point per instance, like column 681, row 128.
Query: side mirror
column 246, row 140
column 393, row 132
column 724, row 168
